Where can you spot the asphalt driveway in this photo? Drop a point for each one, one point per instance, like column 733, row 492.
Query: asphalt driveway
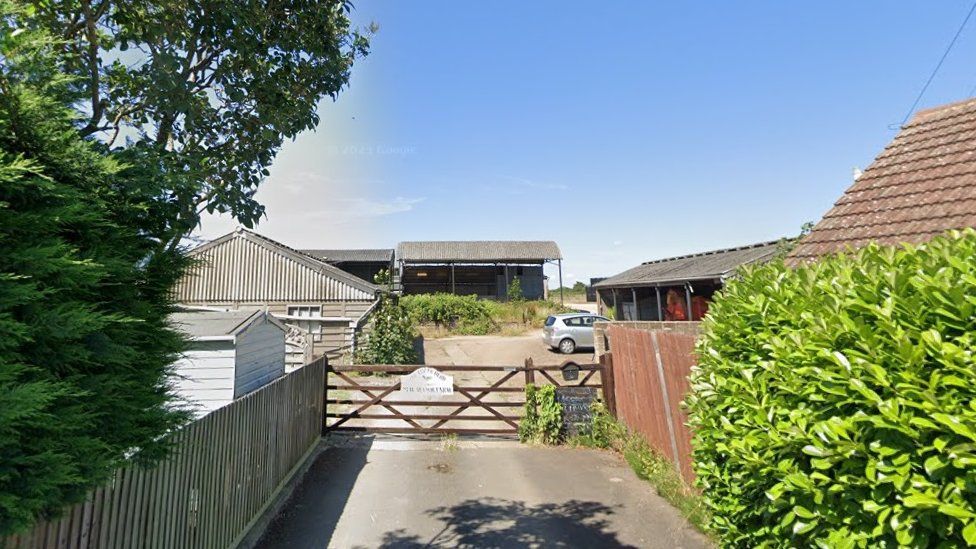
column 380, row 493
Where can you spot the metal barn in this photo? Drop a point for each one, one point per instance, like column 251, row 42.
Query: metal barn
column 482, row 268
column 246, row 270
column 361, row 263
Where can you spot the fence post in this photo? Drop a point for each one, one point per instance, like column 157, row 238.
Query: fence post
column 529, row 372
column 665, row 399
column 607, row 381
column 325, row 394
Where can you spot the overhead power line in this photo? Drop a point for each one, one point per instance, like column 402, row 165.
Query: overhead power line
column 939, row 65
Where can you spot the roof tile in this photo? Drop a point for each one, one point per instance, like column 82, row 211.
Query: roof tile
column 921, row 185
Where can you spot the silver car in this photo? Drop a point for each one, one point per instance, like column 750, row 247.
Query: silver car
column 568, row 331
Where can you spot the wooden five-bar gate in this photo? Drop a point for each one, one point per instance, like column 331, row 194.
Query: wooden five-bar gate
column 486, row 400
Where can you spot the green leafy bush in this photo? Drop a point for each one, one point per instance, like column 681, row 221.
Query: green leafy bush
column 603, row 431
column 392, row 335
column 834, row 404
column 447, row 309
column 542, row 420
column 514, row 292
column 468, row 315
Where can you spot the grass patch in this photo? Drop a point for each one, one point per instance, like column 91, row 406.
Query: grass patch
column 607, row 433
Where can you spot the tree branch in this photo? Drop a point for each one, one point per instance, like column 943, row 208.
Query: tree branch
column 91, row 33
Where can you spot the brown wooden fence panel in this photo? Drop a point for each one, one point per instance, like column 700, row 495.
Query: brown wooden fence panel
column 651, row 370
column 227, row 466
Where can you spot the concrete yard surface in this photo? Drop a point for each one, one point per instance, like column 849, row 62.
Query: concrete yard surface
column 497, row 350
column 375, row 493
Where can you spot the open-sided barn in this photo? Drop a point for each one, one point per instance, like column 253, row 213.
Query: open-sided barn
column 677, row 288
column 362, row 263
column 482, row 268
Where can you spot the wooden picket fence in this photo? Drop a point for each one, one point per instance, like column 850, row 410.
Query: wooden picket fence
column 228, row 467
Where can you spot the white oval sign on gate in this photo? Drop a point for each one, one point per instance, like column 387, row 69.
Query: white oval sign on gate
column 426, row 382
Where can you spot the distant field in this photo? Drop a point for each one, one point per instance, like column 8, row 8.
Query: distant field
column 570, row 295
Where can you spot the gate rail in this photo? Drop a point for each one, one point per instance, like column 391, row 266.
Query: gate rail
column 499, row 417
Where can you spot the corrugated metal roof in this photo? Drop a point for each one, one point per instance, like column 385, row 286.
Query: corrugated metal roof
column 200, row 324
column 352, row 255
column 921, row 185
column 701, row 266
column 243, row 267
column 484, row 251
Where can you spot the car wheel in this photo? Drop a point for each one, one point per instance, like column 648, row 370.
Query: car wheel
column 567, row 346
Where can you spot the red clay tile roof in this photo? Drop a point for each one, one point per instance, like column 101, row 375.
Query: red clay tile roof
column 921, row 185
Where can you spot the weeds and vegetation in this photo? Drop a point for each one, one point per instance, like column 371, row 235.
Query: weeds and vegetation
column 833, row 404
column 514, row 292
column 574, row 294
column 450, row 443
column 392, row 334
column 442, row 314
column 542, row 420
column 607, row 433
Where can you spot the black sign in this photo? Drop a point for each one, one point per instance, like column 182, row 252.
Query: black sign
column 576, row 403
column 570, row 371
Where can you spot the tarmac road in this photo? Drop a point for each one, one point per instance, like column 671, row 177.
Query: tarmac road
column 380, row 493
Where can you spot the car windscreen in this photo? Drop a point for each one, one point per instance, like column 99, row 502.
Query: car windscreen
column 550, row 321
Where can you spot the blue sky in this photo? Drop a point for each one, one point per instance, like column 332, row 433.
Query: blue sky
column 625, row 131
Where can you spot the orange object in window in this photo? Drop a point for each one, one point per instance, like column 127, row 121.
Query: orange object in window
column 675, row 309
column 699, row 307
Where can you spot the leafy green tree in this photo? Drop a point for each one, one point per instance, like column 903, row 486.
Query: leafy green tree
column 206, row 91
column 392, row 335
column 85, row 349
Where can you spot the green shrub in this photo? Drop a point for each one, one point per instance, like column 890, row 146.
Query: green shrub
column 603, row 431
column 514, row 292
column 446, row 309
column 391, row 340
column 542, row 420
column 834, row 405
column 468, row 315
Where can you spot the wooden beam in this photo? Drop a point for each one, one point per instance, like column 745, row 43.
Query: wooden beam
column 660, row 310
column 633, row 294
column 561, row 282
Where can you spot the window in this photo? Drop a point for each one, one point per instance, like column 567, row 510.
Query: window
column 588, row 320
column 574, row 322
column 305, row 310
column 313, row 327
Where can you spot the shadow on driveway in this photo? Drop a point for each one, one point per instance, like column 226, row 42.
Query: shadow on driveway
column 494, row 522
column 311, row 514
